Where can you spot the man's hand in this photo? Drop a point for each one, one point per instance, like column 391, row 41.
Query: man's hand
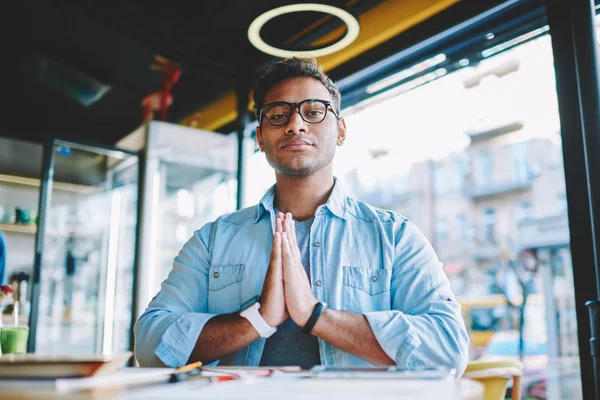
column 272, row 300
column 299, row 298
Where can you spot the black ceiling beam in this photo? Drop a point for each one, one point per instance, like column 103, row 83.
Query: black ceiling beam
column 373, row 61
column 171, row 49
column 466, row 39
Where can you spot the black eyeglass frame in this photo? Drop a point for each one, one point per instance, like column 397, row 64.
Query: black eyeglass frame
column 296, row 106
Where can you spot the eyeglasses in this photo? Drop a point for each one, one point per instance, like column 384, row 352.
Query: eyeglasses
column 312, row 111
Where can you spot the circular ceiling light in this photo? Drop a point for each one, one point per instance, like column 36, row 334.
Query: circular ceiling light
column 261, row 20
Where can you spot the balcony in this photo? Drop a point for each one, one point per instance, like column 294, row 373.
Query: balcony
column 486, row 251
column 456, row 251
column 489, row 189
column 489, row 132
column 386, row 198
column 479, row 243
column 535, row 233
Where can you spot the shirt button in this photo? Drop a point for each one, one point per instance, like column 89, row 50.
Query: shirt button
column 216, row 275
column 317, row 244
column 374, row 278
column 318, row 283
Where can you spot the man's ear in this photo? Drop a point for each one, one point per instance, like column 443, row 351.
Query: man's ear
column 259, row 139
column 341, row 135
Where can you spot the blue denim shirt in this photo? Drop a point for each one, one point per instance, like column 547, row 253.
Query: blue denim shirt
column 363, row 259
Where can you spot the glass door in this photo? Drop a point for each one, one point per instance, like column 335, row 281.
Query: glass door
column 85, row 245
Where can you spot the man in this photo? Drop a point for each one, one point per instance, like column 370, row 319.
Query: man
column 309, row 276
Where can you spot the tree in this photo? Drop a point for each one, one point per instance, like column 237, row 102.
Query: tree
column 525, row 266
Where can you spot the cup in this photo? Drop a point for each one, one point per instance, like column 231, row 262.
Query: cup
column 13, row 339
column 25, row 217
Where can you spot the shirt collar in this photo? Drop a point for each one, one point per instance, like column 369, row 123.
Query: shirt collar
column 336, row 203
column 266, row 203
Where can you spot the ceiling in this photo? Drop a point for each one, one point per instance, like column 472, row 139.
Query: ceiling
column 80, row 69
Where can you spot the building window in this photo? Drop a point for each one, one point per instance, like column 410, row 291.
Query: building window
column 519, row 156
column 523, row 210
column 461, row 173
column 441, row 231
column 484, row 167
column 463, row 227
column 489, row 225
column 439, row 179
column 561, row 200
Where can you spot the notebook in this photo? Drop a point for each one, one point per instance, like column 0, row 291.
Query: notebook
column 59, row 366
column 120, row 379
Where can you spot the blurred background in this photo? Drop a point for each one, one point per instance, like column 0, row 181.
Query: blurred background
column 128, row 127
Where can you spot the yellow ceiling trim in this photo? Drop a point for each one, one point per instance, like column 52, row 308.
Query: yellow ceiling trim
column 382, row 23
column 214, row 115
column 377, row 25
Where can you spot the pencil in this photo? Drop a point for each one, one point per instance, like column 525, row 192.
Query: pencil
column 188, row 367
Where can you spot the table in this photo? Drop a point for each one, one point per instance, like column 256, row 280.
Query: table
column 284, row 386
column 320, row 389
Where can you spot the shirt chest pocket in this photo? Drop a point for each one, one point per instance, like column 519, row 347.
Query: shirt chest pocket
column 366, row 289
column 225, row 288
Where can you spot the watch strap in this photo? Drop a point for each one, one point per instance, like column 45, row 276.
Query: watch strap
column 312, row 320
column 257, row 321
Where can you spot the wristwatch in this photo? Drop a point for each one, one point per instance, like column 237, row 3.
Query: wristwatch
column 253, row 316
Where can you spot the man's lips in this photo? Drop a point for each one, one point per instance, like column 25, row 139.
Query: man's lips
column 296, row 144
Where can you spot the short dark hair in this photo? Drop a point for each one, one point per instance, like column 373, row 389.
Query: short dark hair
column 292, row 68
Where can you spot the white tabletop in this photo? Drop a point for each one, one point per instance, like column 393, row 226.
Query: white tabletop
column 325, row 389
column 278, row 386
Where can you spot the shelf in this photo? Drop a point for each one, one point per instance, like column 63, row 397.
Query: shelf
column 65, row 187
column 9, row 320
column 32, row 229
column 26, row 229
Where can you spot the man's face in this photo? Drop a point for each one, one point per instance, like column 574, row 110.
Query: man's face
column 299, row 148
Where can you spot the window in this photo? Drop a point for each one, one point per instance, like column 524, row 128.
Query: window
column 489, row 225
column 519, row 156
column 561, row 201
column 463, row 227
column 440, row 180
column 484, row 167
column 523, row 210
column 430, row 140
column 460, row 173
column 441, row 234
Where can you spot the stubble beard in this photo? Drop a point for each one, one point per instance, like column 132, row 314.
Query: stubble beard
column 304, row 171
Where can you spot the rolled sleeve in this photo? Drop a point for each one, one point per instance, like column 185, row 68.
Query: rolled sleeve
column 394, row 334
column 425, row 328
column 180, row 337
column 167, row 331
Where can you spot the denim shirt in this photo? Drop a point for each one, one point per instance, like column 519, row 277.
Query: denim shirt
column 363, row 259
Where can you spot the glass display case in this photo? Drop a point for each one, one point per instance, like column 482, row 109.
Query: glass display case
column 82, row 283
column 188, row 179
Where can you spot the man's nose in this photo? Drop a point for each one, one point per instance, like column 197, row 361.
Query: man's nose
column 296, row 124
